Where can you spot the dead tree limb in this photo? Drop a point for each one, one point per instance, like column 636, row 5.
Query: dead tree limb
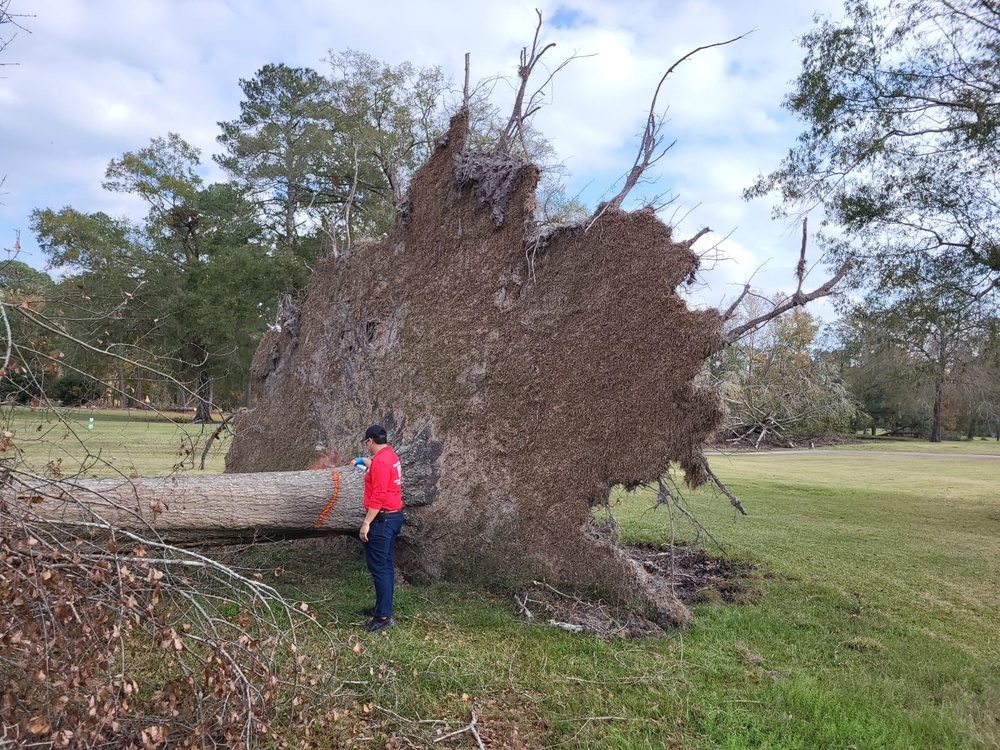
column 697, row 236
column 731, row 310
column 725, row 491
column 213, row 437
column 800, row 269
column 673, row 500
column 465, row 89
column 521, row 112
column 798, row 299
column 528, row 61
column 651, row 139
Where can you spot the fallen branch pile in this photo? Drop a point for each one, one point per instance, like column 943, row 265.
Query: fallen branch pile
column 120, row 637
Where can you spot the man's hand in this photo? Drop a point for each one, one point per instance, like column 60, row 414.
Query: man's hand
column 363, row 534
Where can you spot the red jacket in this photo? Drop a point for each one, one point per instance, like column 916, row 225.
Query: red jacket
column 383, row 481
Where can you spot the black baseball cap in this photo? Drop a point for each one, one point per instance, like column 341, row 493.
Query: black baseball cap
column 377, row 433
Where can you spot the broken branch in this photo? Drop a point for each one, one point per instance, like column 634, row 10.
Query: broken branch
column 650, row 141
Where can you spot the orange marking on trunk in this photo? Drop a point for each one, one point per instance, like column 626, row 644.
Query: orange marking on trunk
column 336, row 490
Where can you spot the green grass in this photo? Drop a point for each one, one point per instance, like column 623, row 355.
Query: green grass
column 880, row 609
column 953, row 447
column 147, row 443
column 876, row 623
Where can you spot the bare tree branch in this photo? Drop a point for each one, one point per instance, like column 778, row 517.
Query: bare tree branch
column 650, row 141
column 465, row 89
column 8, row 18
column 521, row 112
column 697, row 236
column 42, row 322
column 800, row 269
column 528, row 62
column 731, row 310
column 798, row 299
column 725, row 490
column 213, row 437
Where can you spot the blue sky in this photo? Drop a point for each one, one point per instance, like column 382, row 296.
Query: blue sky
column 96, row 78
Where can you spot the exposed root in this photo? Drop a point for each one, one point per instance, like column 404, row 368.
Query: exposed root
column 678, row 576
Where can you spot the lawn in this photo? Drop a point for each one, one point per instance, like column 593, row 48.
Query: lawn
column 987, row 446
column 116, row 441
column 875, row 625
column 870, row 619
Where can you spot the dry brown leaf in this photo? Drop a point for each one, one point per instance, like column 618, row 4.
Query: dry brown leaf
column 38, row 725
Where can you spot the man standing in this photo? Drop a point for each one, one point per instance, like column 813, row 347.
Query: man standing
column 383, row 503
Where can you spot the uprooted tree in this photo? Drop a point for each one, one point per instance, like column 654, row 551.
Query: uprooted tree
column 520, row 376
column 522, row 372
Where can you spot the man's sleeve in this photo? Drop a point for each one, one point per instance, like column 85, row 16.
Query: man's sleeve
column 381, row 478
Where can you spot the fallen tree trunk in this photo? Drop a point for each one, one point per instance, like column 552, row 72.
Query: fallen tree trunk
column 224, row 508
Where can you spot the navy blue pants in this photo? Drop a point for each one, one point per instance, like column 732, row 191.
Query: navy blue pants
column 380, row 558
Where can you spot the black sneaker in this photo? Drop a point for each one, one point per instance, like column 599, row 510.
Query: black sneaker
column 379, row 623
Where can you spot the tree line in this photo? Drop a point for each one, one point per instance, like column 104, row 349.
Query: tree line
column 900, row 103
column 170, row 308
column 899, row 152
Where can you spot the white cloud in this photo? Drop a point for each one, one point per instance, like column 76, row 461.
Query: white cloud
column 97, row 78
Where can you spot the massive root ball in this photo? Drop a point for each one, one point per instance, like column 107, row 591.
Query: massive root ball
column 519, row 382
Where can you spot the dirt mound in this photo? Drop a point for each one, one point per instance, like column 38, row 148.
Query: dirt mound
column 519, row 382
column 694, row 576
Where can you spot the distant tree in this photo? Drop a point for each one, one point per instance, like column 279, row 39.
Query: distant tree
column 901, row 102
column 28, row 358
column 222, row 303
column 777, row 390
column 283, row 150
column 185, row 294
column 74, row 389
column 103, row 301
column 971, row 398
column 391, row 114
column 329, row 158
column 980, row 393
column 942, row 330
column 20, row 281
column 881, row 375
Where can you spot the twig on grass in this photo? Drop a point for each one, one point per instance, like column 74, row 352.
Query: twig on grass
column 735, row 501
column 557, row 591
column 471, row 729
column 522, row 605
column 572, row 628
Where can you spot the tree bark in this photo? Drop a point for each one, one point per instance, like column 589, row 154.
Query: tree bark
column 122, row 395
column 938, row 399
column 203, row 408
column 223, row 508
